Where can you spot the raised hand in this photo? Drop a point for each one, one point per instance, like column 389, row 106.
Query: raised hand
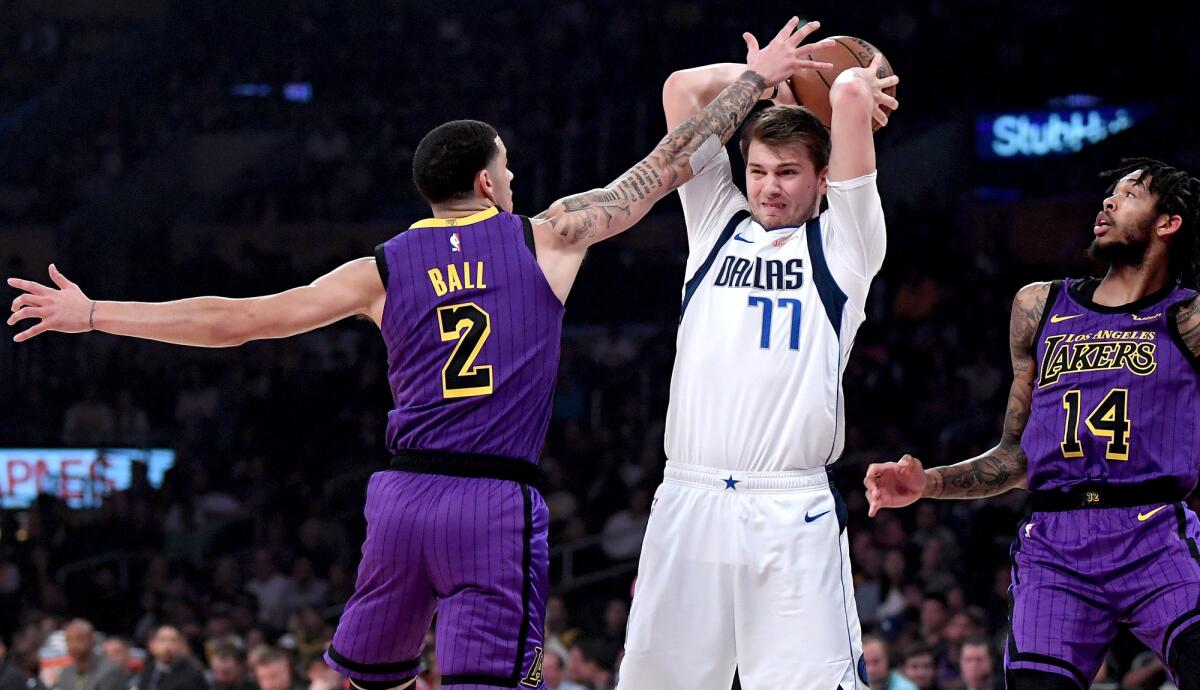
column 783, row 56
column 894, row 484
column 870, row 74
column 66, row 310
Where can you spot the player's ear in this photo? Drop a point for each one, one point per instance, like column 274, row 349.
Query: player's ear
column 485, row 185
column 823, row 181
column 1168, row 225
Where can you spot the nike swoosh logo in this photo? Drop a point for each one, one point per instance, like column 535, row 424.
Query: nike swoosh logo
column 1057, row 319
column 810, row 518
column 1142, row 517
column 739, row 238
column 1146, row 318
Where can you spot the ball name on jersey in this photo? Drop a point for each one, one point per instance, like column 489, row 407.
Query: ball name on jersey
column 762, row 274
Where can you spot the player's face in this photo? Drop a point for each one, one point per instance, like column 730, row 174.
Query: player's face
column 784, row 187
column 501, row 178
column 1125, row 225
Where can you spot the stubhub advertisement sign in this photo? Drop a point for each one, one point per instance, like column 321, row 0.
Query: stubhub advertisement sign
column 80, row 476
column 1058, row 132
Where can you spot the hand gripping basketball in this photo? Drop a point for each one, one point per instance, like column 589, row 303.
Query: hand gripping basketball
column 894, row 484
column 783, row 56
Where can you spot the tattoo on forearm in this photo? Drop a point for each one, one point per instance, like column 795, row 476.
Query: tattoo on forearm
column 605, row 210
column 1188, row 320
column 1004, row 467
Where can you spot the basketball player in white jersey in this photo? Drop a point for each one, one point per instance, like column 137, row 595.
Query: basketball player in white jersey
column 745, row 562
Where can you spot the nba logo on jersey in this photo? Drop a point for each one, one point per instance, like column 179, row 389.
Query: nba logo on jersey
column 455, row 243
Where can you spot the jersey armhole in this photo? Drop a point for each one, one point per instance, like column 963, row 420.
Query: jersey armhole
column 527, row 225
column 381, row 264
column 1177, row 337
column 833, row 298
column 693, row 284
column 1051, row 297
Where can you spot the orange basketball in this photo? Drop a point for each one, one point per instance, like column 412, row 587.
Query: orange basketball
column 811, row 87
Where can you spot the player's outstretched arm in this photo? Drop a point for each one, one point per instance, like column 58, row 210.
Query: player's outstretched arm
column 897, row 484
column 352, row 289
column 583, row 219
column 857, row 98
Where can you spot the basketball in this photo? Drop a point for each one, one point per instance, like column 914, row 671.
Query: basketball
column 811, row 87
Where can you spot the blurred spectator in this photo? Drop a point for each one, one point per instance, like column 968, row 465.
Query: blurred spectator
column 116, row 648
column 90, row 421
column 273, row 670
column 976, row 666
column 320, row 676
column 270, row 589
column 919, row 667
column 624, row 530
column 880, row 675
column 88, row 670
column 169, row 667
column 11, row 677
column 592, row 663
column 553, row 668
column 228, row 664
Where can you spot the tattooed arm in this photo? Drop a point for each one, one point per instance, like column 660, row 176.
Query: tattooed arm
column 897, row 484
column 1188, row 319
column 565, row 230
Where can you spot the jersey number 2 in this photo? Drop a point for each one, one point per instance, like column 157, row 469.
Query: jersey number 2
column 470, row 326
column 1110, row 419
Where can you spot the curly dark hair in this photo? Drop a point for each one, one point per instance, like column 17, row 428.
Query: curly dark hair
column 1176, row 194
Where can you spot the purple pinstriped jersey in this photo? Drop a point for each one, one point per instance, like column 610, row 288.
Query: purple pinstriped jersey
column 1117, row 393
column 472, row 331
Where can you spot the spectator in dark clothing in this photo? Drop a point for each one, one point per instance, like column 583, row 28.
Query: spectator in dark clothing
column 169, row 668
column 228, row 665
column 90, row 670
column 11, row 677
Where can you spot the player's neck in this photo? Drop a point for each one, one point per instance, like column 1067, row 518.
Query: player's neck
column 1126, row 284
column 461, row 208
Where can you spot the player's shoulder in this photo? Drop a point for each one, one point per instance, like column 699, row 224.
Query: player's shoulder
column 855, row 182
column 1028, row 308
column 1035, row 291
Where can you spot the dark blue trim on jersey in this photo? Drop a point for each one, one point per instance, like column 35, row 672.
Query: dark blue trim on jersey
column 529, row 242
column 832, row 296
column 690, row 287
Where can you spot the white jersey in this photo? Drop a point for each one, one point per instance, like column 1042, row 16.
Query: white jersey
column 768, row 321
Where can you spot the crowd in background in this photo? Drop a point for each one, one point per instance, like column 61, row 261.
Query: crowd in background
column 232, row 573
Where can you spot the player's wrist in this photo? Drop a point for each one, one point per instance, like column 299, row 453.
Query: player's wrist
column 933, row 484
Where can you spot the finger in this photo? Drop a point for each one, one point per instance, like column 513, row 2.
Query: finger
column 880, row 116
column 906, row 460
column 874, row 509
column 59, row 279
column 876, row 61
column 36, row 330
column 787, row 29
column 28, row 286
column 26, row 313
column 26, row 299
column 751, row 44
column 803, row 33
column 887, row 100
column 814, row 64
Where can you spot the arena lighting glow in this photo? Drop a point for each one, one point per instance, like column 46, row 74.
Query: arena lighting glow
column 1057, row 132
column 80, row 476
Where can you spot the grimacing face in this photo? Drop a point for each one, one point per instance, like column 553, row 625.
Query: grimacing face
column 783, row 186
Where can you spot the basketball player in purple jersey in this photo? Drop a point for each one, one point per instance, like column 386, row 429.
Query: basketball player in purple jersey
column 469, row 303
column 1102, row 429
